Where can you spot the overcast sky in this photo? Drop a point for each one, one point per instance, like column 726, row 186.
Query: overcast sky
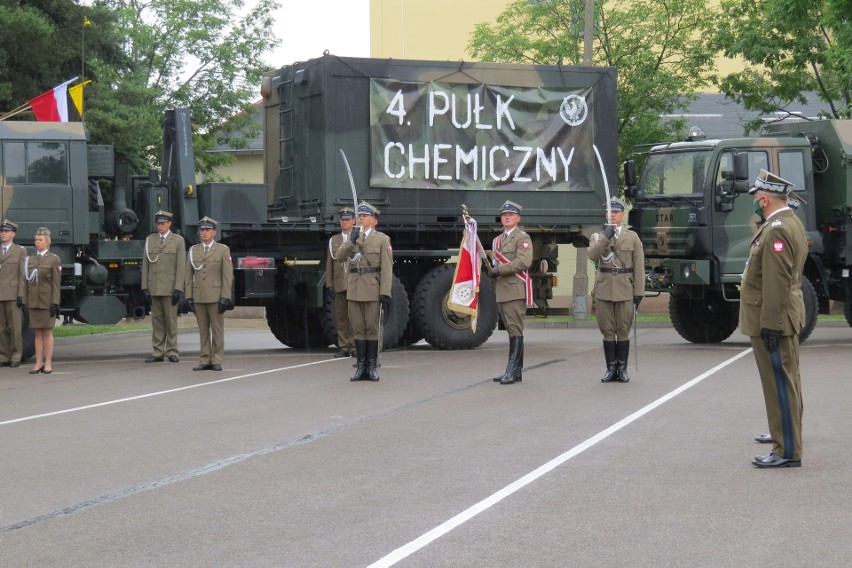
column 306, row 28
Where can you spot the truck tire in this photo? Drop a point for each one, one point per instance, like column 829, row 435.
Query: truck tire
column 397, row 318
column 27, row 337
column 707, row 320
column 396, row 322
column 296, row 326
column 443, row 328
column 811, row 309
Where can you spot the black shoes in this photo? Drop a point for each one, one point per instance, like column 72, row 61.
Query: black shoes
column 14, row 364
column 771, row 460
column 173, row 359
column 763, row 439
column 340, row 354
column 204, row 368
column 153, row 359
column 215, row 367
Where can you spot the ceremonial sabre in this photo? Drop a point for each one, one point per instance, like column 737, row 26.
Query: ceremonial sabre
column 352, row 180
column 603, row 173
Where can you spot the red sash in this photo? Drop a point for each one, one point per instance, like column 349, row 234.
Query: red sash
column 524, row 276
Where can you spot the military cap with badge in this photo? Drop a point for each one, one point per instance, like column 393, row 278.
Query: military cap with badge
column 207, row 223
column 510, row 207
column 346, row 213
column 365, row 208
column 9, row 226
column 162, row 216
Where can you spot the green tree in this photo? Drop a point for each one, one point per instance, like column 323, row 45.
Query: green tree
column 652, row 43
column 790, row 47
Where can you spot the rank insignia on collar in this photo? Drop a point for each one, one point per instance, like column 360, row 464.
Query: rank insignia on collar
column 778, row 246
column 776, row 223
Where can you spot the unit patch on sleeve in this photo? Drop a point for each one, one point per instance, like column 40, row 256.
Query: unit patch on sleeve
column 778, row 246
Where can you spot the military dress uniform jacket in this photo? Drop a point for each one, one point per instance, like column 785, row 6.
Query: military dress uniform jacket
column 371, row 275
column 43, row 281
column 335, row 273
column 771, row 294
column 518, row 249
column 12, row 281
column 621, row 266
column 164, row 265
column 209, row 275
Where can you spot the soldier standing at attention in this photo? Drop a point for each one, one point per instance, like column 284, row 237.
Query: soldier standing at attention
column 12, row 288
column 335, row 280
column 163, row 278
column 619, row 287
column 43, row 274
column 513, row 252
column 209, row 277
column 772, row 311
column 368, row 287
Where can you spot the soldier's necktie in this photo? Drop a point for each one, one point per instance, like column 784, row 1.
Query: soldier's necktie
column 5, row 250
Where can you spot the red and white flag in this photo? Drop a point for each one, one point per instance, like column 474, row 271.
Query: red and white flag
column 464, row 295
column 52, row 105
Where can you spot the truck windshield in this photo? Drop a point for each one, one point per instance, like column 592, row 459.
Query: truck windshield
column 675, row 173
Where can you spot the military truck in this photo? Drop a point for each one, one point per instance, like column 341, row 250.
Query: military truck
column 420, row 138
column 694, row 216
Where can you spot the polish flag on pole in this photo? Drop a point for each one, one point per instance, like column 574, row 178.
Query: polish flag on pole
column 464, row 295
column 52, row 106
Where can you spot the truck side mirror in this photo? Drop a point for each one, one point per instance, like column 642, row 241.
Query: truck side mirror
column 630, row 179
column 741, row 178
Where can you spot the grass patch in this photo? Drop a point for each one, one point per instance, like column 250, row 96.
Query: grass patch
column 84, row 329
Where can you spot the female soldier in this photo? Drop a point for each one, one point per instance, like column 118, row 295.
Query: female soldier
column 42, row 271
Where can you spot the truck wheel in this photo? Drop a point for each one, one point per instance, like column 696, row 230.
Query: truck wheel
column 296, row 326
column 27, row 337
column 444, row 328
column 397, row 317
column 811, row 311
column 704, row 320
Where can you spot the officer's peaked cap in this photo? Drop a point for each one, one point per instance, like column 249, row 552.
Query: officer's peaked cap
column 346, row 213
column 162, row 216
column 8, row 226
column 770, row 183
column 207, row 223
column 365, row 208
column 510, row 207
column 615, row 204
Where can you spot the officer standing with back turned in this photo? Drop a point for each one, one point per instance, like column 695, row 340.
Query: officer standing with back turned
column 163, row 279
column 368, row 288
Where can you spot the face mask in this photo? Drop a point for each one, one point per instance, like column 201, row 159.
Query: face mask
column 758, row 210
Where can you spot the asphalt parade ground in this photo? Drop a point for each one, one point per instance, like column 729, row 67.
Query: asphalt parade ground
column 280, row 460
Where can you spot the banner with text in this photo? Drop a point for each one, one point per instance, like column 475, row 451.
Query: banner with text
column 475, row 136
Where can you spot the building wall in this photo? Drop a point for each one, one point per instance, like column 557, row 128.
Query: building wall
column 246, row 168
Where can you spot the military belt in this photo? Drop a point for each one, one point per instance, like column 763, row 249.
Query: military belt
column 369, row 269
column 617, row 270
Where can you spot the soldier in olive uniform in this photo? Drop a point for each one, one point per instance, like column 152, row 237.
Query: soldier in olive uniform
column 772, row 311
column 43, row 272
column 209, row 278
column 619, row 288
column 513, row 252
column 368, row 287
column 163, row 278
column 335, row 280
column 12, row 288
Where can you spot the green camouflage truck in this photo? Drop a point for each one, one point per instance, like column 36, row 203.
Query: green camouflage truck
column 694, row 216
column 421, row 138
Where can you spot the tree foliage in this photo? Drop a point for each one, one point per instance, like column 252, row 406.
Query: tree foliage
column 652, row 43
column 790, row 47
column 143, row 57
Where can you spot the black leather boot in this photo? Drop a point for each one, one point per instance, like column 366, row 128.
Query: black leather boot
column 509, row 365
column 372, row 359
column 622, row 349
column 611, row 373
column 519, row 366
column 361, row 363
column 513, row 368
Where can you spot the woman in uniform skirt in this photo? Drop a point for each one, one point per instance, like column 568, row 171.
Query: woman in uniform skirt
column 43, row 275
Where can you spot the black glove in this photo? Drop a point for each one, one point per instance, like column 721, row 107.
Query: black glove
column 770, row 338
column 609, row 231
column 54, row 310
column 190, row 306
column 356, row 232
column 177, row 296
column 495, row 272
column 147, row 296
column 19, row 302
column 331, row 293
column 384, row 303
column 225, row 304
column 637, row 300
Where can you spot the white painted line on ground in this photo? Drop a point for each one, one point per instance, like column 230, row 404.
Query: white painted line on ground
column 159, row 393
column 442, row 529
